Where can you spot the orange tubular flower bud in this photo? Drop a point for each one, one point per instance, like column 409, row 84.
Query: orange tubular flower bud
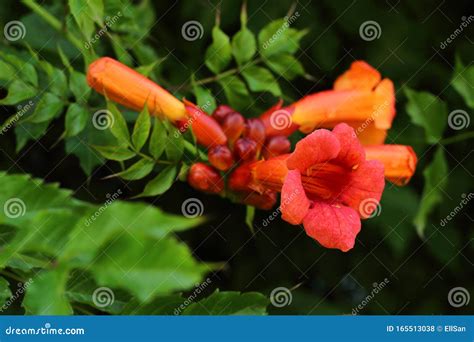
column 399, row 161
column 124, row 85
column 359, row 97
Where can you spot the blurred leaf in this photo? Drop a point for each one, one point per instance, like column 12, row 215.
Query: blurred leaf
column 244, row 45
column 427, row 111
column 463, row 80
column 58, row 83
column 119, row 126
column 46, row 294
column 236, row 92
column 79, row 86
column 161, row 183
column 5, row 292
column 168, row 266
column 139, row 170
column 76, row 119
column 219, row 53
column 285, row 65
column 435, row 176
column 18, row 91
column 174, row 145
column 230, row 303
column 117, row 153
column 249, row 217
column 26, row 131
column 158, row 139
column 141, row 130
column 260, row 79
column 81, row 12
column 278, row 38
column 204, row 98
column 48, row 108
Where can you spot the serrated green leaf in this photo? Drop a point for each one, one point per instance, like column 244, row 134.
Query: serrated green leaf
column 48, row 108
column 119, row 126
column 158, row 139
column 117, row 153
column 278, row 38
column 161, row 183
column 428, row 112
column 463, row 80
column 76, row 119
column 435, row 176
column 285, row 65
column 260, row 79
column 230, row 303
column 219, row 53
column 141, row 130
column 46, row 294
column 139, row 170
column 18, row 91
column 244, row 45
column 236, row 92
column 168, row 266
column 79, row 87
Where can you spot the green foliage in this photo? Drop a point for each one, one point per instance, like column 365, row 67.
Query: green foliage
column 122, row 245
column 462, row 81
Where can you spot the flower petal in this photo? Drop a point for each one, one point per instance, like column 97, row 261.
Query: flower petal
column 360, row 76
column 333, row 226
column 317, row 147
column 366, row 183
column 352, row 153
column 294, row 203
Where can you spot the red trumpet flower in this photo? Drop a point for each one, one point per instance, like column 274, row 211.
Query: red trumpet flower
column 323, row 184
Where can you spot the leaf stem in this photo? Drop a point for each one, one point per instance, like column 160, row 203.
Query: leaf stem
column 457, row 138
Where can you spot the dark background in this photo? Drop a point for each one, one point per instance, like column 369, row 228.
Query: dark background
column 420, row 271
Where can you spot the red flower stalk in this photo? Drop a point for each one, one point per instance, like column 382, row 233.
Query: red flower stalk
column 323, row 184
